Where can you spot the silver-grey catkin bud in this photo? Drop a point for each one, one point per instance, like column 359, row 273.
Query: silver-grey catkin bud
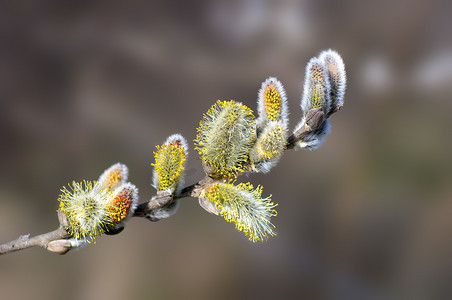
column 59, row 246
column 336, row 76
column 316, row 87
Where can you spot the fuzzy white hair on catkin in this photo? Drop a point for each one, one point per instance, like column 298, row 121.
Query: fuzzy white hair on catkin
column 311, row 82
column 332, row 59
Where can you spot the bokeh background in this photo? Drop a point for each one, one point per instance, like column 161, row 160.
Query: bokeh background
column 85, row 84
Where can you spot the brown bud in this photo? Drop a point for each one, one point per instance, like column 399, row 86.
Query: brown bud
column 59, row 246
column 208, row 206
column 315, row 118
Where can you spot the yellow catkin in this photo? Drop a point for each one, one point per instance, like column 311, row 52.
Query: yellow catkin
column 272, row 102
column 243, row 206
column 85, row 206
column 169, row 164
column 225, row 135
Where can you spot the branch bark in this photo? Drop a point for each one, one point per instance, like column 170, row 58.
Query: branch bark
column 163, row 198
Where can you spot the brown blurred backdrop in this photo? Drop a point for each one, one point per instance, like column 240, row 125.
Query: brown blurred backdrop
column 366, row 216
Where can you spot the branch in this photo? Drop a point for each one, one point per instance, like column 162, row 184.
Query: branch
column 164, row 198
column 47, row 240
column 56, row 241
column 43, row 240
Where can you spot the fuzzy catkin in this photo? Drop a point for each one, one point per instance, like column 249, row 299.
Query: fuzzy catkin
column 225, row 135
column 243, row 205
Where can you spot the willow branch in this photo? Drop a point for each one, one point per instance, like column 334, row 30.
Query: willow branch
column 45, row 240
column 56, row 241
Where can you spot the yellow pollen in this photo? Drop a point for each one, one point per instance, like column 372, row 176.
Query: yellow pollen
column 113, row 179
column 272, row 102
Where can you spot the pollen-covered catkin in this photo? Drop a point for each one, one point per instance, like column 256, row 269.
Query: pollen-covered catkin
column 122, row 203
column 243, row 205
column 85, row 206
column 169, row 164
column 225, row 135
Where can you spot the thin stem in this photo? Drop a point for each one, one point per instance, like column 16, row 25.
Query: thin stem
column 164, row 198
column 42, row 240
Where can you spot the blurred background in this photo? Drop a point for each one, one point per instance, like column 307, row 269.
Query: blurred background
column 84, row 85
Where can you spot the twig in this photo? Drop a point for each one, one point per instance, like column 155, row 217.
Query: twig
column 42, row 240
column 164, row 198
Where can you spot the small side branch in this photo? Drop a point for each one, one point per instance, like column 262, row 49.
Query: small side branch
column 42, row 240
